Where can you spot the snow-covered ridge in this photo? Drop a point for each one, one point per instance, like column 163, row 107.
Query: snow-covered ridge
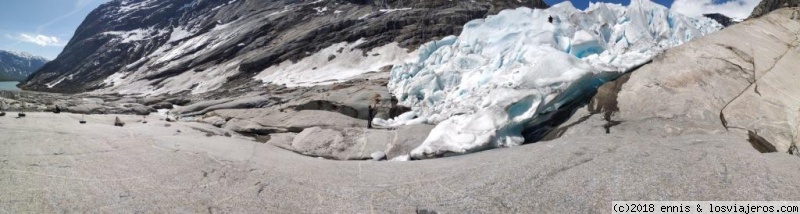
column 506, row 71
column 16, row 65
column 26, row 55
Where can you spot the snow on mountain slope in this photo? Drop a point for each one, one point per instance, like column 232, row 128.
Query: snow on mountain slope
column 149, row 47
column 16, row 66
column 510, row 70
column 336, row 63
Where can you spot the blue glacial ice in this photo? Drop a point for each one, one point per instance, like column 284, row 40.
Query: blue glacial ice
column 482, row 87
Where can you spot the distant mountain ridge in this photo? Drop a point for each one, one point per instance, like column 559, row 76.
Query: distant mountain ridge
column 16, row 66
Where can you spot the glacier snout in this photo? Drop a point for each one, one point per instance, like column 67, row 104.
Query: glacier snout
column 504, row 72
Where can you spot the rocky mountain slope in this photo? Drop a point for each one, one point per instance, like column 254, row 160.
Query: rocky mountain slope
column 721, row 19
column 171, row 46
column 16, row 66
column 767, row 6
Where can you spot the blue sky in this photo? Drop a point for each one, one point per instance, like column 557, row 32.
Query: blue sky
column 43, row 27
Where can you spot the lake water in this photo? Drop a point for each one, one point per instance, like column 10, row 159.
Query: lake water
column 8, row 86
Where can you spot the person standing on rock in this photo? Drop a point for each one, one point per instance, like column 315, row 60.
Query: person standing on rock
column 371, row 109
column 393, row 107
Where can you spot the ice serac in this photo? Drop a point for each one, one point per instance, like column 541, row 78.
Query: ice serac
column 508, row 71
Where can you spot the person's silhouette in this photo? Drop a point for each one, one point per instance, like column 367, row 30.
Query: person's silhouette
column 370, row 114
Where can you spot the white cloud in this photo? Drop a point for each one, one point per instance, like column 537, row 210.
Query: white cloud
column 737, row 9
column 39, row 39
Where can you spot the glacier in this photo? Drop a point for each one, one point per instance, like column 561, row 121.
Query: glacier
column 484, row 87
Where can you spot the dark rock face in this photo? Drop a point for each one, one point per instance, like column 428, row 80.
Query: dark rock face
column 17, row 66
column 767, row 6
column 721, row 19
column 154, row 40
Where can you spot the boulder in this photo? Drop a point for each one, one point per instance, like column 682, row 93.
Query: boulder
column 118, row 122
column 152, row 100
column 353, row 143
column 321, row 142
column 244, row 126
column 403, row 139
column 215, row 121
column 378, row 156
column 87, row 108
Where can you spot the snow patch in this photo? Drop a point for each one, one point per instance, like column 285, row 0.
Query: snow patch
column 55, row 83
column 321, row 10
column 178, row 34
column 336, row 63
column 125, row 37
column 114, row 79
column 389, row 10
column 128, row 7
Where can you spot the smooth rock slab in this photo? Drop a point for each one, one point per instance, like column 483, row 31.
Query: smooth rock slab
column 718, row 83
column 46, row 161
